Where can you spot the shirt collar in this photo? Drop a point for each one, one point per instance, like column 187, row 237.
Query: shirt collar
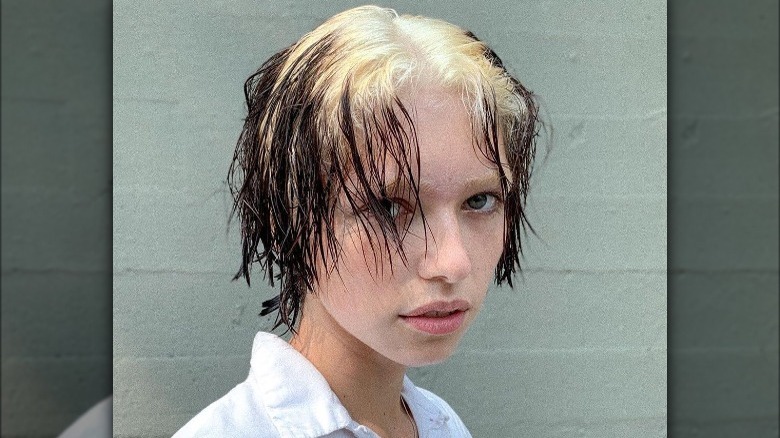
column 428, row 416
column 300, row 402
column 296, row 396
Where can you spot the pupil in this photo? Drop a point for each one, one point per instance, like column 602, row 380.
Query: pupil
column 390, row 206
column 477, row 202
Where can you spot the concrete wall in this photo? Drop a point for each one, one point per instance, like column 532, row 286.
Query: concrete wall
column 56, row 213
column 723, row 215
column 578, row 348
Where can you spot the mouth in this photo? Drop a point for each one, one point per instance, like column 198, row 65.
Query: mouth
column 439, row 318
column 437, row 314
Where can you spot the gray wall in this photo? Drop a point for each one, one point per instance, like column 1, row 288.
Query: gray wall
column 578, row 348
column 723, row 216
column 56, row 213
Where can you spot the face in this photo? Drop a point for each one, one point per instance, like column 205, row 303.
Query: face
column 415, row 313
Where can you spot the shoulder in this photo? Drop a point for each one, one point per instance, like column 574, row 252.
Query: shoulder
column 239, row 413
column 436, row 414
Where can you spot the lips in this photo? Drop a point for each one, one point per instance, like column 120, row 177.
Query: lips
column 440, row 308
column 436, row 314
column 438, row 318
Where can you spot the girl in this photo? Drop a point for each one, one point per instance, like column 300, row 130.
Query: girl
column 381, row 179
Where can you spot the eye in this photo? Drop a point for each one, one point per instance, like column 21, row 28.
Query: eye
column 483, row 202
column 392, row 207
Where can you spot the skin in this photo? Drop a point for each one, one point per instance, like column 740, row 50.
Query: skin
column 351, row 328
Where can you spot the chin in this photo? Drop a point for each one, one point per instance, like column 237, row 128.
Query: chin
column 430, row 355
column 425, row 361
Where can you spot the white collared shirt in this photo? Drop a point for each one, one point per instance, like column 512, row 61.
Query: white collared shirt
column 285, row 396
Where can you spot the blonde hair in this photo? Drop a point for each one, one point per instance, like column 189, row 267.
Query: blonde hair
column 328, row 110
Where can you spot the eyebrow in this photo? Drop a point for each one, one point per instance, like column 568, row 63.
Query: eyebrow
column 487, row 180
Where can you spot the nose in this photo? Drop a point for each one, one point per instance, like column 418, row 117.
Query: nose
column 446, row 257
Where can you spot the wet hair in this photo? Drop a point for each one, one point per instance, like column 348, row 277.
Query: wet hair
column 326, row 121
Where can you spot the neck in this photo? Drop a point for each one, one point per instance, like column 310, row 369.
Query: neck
column 367, row 384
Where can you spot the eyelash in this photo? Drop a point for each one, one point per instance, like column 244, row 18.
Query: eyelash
column 403, row 208
column 497, row 201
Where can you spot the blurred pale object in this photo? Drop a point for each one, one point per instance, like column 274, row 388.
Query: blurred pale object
column 95, row 423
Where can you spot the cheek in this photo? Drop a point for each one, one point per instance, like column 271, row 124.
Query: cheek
column 362, row 258
column 353, row 248
column 371, row 261
column 487, row 239
column 361, row 274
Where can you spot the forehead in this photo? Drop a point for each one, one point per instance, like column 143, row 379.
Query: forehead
column 449, row 150
column 436, row 140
